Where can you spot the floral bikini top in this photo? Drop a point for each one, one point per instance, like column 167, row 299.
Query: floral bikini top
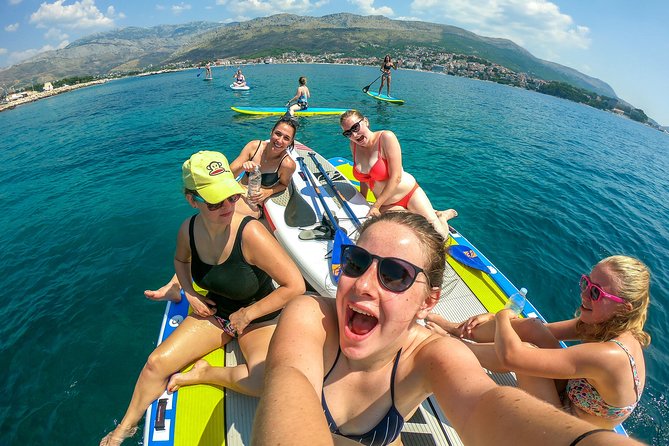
column 584, row 396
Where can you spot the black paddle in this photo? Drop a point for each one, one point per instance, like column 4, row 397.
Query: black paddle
column 340, row 237
column 366, row 89
column 338, row 194
column 298, row 212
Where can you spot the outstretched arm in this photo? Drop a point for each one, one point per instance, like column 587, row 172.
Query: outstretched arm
column 501, row 408
column 290, row 411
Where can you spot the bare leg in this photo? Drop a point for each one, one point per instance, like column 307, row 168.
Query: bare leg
column 170, row 291
column 388, row 86
column 244, row 378
column 195, row 337
column 243, row 208
column 446, row 215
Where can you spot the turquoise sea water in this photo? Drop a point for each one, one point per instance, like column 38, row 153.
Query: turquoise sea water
column 92, row 202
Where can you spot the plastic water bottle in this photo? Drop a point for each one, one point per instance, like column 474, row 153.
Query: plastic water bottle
column 516, row 301
column 254, row 185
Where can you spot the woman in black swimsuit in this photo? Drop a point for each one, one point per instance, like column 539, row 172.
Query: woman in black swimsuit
column 385, row 69
column 235, row 260
column 271, row 156
column 277, row 168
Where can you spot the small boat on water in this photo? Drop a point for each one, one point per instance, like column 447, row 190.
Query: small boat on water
column 209, row 415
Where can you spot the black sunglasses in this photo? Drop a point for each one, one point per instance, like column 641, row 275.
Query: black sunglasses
column 354, row 129
column 395, row 275
column 216, row 206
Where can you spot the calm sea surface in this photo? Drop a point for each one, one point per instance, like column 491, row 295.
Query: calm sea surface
column 92, row 202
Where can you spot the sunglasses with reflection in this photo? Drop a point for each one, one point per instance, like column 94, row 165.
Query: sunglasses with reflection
column 395, row 275
column 216, row 206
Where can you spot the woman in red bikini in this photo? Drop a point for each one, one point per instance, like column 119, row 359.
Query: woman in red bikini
column 377, row 164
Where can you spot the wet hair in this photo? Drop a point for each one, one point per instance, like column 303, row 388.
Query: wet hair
column 348, row 113
column 431, row 242
column 302, row 80
column 632, row 279
column 291, row 122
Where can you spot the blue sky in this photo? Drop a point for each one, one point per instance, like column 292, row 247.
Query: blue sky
column 624, row 43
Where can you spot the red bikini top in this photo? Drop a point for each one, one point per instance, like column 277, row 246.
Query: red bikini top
column 378, row 172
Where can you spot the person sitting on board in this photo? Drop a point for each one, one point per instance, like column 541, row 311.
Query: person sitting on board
column 602, row 378
column 301, row 97
column 366, row 356
column 271, row 156
column 385, row 77
column 240, row 80
column 377, row 164
column 277, row 169
column 359, row 365
column 236, row 260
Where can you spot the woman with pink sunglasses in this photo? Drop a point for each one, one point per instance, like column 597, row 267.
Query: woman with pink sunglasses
column 600, row 379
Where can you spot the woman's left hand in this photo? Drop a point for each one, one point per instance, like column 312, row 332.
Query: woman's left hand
column 239, row 320
column 374, row 212
column 261, row 196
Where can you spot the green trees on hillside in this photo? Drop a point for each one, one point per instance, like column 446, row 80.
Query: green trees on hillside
column 567, row 91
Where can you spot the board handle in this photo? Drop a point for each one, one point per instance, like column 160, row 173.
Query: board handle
column 160, row 414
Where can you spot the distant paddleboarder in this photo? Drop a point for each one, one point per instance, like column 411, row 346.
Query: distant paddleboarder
column 207, row 71
column 240, row 80
column 385, row 69
column 301, row 96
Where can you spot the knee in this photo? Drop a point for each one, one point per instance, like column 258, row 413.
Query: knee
column 156, row 364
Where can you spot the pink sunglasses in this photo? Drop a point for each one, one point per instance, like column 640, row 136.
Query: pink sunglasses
column 595, row 291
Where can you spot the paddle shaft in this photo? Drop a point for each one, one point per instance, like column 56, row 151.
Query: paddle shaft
column 366, row 89
column 326, row 209
column 338, row 194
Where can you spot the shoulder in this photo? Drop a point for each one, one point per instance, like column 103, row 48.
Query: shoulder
column 388, row 140
column 253, row 230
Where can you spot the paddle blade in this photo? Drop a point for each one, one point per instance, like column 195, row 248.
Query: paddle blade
column 340, row 239
column 366, row 89
column 468, row 257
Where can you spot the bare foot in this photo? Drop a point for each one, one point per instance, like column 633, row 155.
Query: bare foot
column 170, row 291
column 118, row 435
column 196, row 375
column 439, row 323
column 446, row 215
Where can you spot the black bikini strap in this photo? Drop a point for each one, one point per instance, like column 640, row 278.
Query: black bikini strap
column 587, row 434
column 333, row 365
column 392, row 377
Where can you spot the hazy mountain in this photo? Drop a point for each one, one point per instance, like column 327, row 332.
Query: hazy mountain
column 123, row 50
column 353, row 35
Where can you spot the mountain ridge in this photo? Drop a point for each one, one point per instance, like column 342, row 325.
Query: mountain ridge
column 133, row 48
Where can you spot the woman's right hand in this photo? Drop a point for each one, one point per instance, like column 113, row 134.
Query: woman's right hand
column 201, row 305
column 467, row 326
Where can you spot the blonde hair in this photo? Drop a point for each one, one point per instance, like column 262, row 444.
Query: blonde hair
column 632, row 278
column 348, row 113
column 432, row 243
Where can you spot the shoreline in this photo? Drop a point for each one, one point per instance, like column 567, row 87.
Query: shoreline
column 35, row 96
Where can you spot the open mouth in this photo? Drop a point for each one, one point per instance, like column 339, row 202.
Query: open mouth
column 359, row 322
